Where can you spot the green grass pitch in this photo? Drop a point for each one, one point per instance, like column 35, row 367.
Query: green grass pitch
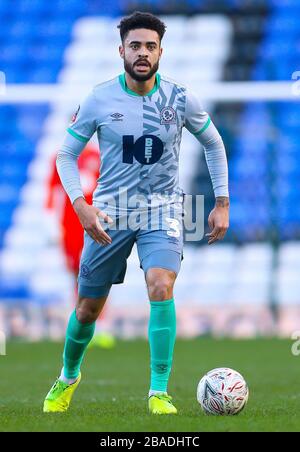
column 113, row 393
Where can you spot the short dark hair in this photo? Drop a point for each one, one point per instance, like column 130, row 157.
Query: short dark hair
column 141, row 20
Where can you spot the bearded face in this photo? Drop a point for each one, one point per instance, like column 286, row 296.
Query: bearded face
column 141, row 52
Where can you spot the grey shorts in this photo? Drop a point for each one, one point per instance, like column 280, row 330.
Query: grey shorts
column 102, row 266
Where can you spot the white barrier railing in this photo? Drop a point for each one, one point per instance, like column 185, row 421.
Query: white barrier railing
column 217, row 92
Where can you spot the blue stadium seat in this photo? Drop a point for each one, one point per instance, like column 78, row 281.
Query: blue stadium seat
column 43, row 52
column 277, row 47
column 290, row 4
column 13, row 291
column 12, row 53
column 44, row 74
column 34, row 7
column 11, row 171
column 105, row 8
column 286, row 23
column 21, row 29
column 71, row 8
column 5, row 7
column 289, row 143
column 54, row 28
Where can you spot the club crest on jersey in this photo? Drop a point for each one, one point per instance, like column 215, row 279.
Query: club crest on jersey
column 74, row 117
column 168, row 116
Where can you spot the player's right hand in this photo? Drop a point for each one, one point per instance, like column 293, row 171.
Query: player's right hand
column 89, row 218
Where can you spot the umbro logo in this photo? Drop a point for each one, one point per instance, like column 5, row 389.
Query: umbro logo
column 117, row 116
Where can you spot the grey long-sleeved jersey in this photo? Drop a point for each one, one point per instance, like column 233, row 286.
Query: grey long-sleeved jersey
column 139, row 139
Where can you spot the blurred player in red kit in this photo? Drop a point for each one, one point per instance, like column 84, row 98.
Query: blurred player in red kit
column 71, row 229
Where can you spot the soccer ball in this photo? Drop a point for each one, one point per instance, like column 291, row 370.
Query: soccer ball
column 222, row 391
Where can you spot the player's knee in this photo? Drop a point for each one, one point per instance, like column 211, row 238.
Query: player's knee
column 85, row 315
column 86, row 311
column 160, row 288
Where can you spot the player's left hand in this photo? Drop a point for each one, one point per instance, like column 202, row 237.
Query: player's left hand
column 218, row 220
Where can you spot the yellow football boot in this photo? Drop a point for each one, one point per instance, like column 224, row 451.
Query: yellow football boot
column 59, row 397
column 161, row 404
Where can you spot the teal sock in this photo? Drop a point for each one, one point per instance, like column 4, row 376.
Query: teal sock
column 161, row 333
column 78, row 336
